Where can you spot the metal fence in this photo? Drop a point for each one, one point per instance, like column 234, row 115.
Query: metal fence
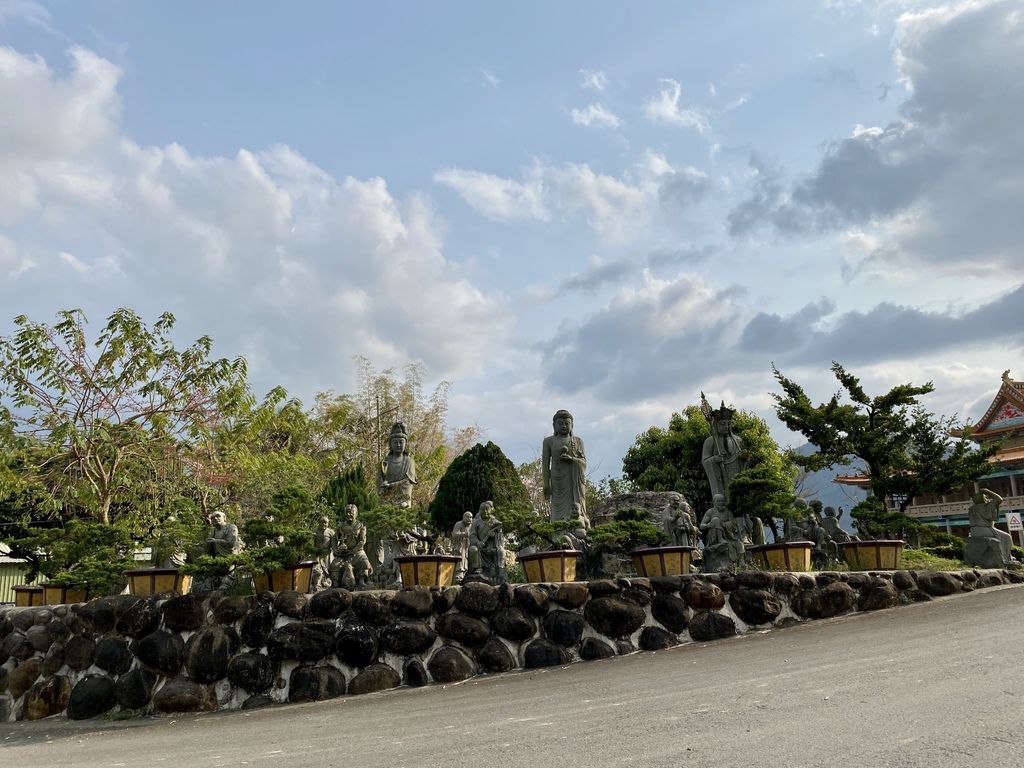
column 10, row 574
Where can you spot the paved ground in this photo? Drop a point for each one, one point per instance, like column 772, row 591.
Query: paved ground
column 938, row 684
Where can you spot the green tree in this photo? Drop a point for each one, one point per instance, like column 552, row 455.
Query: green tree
column 349, row 487
column 670, row 460
column 103, row 409
column 483, row 473
column 907, row 451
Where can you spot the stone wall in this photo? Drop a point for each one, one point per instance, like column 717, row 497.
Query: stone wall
column 192, row 654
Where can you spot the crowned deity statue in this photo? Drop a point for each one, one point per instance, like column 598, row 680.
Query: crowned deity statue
column 397, row 472
column 724, row 455
column 564, row 470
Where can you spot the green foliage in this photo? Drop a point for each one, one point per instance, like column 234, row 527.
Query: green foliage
column 923, row 559
column 908, row 452
column 630, row 529
column 85, row 553
column 385, row 520
column 483, row 473
column 670, row 460
column 349, row 487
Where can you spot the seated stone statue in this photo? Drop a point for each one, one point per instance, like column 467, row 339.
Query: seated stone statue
column 678, row 525
column 487, row 546
column 350, row 567
column 723, row 546
column 825, row 549
column 794, row 526
column 987, row 546
column 830, row 522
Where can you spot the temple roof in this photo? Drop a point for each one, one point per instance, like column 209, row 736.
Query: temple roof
column 1005, row 414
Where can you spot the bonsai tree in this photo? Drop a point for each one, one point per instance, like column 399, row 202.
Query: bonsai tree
column 86, row 554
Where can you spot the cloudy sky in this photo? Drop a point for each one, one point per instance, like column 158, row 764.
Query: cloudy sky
column 571, row 205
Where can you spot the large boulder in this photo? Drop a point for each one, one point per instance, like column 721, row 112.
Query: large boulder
column 370, row 609
column 47, row 697
column 614, row 617
column 231, row 609
column 938, row 583
column 564, row 627
column 478, row 599
column 544, row 653
column 113, row 655
column 462, row 628
column 139, row 620
column 356, row 645
column 257, row 626
column 376, row 677
column 162, row 652
column 407, row 637
column 330, row 603
column 755, row 606
column 255, row 672
column 208, row 652
column 181, row 695
column 494, row 656
column 414, row 603
column 53, row 660
column 134, row 689
column 703, row 595
column 670, row 611
column 309, row 683
column 23, row 676
column 657, row 504
column 531, row 598
column 302, row 640
column 450, row 665
column 571, row 594
column 91, row 697
column 291, row 603
column 824, row 602
column 514, row 624
column 184, row 613
column 657, row 639
column 708, row 625
column 876, row 596
column 595, row 648
column 79, row 651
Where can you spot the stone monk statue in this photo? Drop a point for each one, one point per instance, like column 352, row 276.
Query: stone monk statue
column 987, row 546
column 724, row 455
column 563, row 466
column 397, row 473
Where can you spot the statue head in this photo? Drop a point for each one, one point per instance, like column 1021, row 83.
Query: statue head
column 325, row 521
column 816, row 506
column 351, row 512
column 398, row 440
column 467, row 517
column 800, row 504
column 719, row 419
column 562, row 423
column 830, row 511
column 718, row 502
column 218, row 519
column 486, row 509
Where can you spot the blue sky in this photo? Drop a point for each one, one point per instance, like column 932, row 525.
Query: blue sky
column 582, row 205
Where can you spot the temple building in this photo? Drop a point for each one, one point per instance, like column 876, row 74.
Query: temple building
column 1004, row 420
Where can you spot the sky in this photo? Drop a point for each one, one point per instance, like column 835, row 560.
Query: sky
column 596, row 206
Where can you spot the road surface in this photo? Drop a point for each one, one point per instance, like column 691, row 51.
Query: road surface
column 938, row 684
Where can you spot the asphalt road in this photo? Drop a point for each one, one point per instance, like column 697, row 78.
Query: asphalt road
column 939, row 684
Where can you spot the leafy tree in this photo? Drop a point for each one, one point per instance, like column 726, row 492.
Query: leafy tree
column 670, row 460
column 349, row 487
column 85, row 553
column 105, row 408
column 907, row 451
column 483, row 473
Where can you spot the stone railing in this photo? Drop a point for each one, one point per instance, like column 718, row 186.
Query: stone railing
column 187, row 654
column 958, row 508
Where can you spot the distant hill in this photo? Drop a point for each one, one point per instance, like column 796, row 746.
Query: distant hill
column 819, row 485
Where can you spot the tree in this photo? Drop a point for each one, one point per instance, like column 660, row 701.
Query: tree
column 110, row 411
column 670, row 460
column 483, row 473
column 349, row 487
column 907, row 451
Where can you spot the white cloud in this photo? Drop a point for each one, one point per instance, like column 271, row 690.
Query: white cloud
column 665, row 108
column 596, row 115
column 594, row 79
column 617, row 208
column 490, row 78
column 271, row 255
column 497, row 197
